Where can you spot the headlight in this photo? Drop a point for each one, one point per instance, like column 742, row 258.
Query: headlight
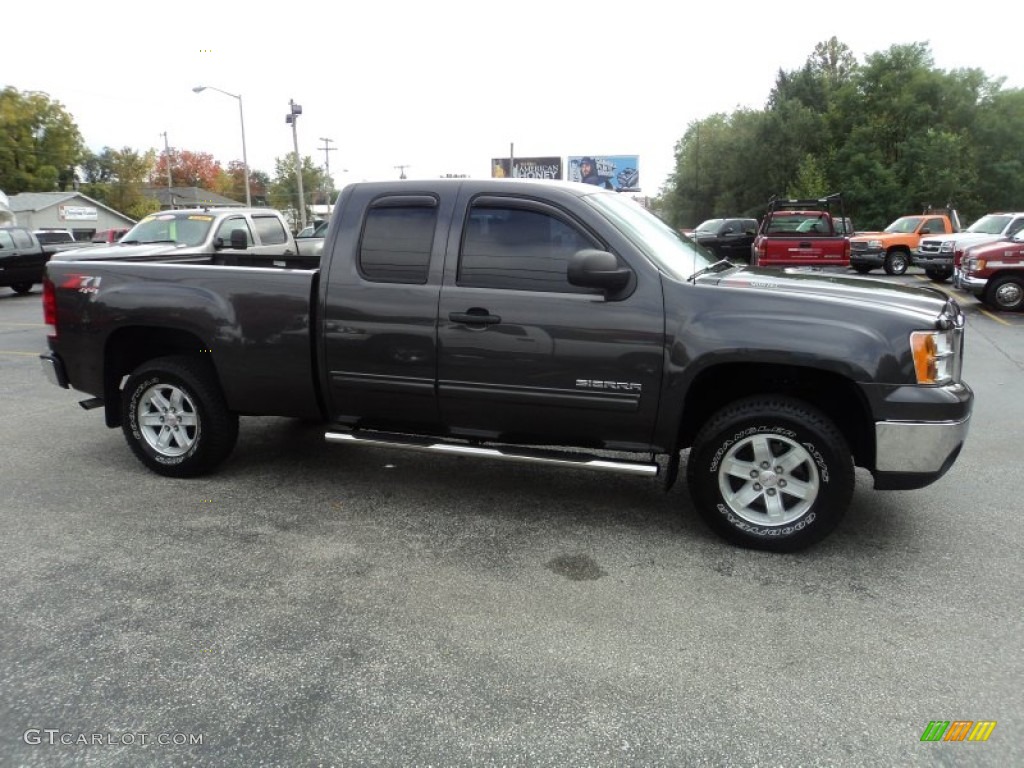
column 873, row 244
column 972, row 264
column 936, row 355
column 946, row 247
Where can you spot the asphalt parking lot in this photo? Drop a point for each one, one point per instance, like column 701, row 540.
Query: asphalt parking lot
column 316, row 605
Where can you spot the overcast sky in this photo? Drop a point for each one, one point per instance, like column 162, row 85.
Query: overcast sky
column 444, row 86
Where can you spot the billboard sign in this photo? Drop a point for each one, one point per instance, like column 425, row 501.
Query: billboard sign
column 76, row 213
column 527, row 168
column 618, row 172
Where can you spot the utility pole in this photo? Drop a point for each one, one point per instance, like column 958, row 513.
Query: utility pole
column 401, row 169
column 167, row 160
column 292, row 118
column 327, row 148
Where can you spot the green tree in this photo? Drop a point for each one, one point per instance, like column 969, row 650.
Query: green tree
column 40, row 145
column 284, row 188
column 116, row 177
column 890, row 134
column 997, row 140
column 97, row 168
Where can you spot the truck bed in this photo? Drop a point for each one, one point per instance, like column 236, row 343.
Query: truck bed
column 263, row 352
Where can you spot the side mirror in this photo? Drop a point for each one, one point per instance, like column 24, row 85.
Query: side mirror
column 925, row 231
column 239, row 240
column 591, row 268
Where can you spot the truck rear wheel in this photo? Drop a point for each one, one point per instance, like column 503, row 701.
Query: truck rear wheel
column 771, row 473
column 22, row 288
column 896, row 262
column 1005, row 293
column 175, row 419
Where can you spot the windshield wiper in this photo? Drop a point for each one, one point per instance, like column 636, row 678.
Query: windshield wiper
column 718, row 266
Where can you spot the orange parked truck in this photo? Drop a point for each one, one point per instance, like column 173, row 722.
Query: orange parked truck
column 892, row 248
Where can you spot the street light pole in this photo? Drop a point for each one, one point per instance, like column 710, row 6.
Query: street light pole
column 167, row 160
column 293, row 118
column 241, row 117
column 327, row 148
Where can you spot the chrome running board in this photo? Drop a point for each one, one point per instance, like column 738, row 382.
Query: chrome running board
column 578, row 460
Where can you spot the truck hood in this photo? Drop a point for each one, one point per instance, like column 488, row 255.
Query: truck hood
column 140, row 252
column 962, row 238
column 829, row 288
column 1004, row 248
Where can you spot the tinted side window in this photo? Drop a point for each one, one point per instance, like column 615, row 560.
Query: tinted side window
column 6, row 241
column 396, row 244
column 518, row 249
column 22, row 239
column 270, row 229
column 1014, row 228
column 934, row 226
column 230, row 225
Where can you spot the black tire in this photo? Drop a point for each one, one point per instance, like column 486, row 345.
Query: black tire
column 896, row 262
column 939, row 275
column 1005, row 293
column 861, row 269
column 814, row 462
column 175, row 419
column 22, row 288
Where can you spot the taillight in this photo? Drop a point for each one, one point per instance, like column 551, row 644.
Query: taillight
column 50, row 306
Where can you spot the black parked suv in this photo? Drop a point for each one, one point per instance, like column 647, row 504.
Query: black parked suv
column 727, row 238
column 21, row 259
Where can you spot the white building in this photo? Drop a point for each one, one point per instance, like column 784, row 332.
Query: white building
column 66, row 210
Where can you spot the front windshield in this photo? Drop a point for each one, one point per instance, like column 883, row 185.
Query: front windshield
column 904, row 225
column 181, row 228
column 666, row 248
column 993, row 224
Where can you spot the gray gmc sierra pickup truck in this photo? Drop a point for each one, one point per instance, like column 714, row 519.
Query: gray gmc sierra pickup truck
column 529, row 321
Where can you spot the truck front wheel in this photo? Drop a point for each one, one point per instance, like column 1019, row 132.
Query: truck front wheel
column 1005, row 293
column 770, row 473
column 175, row 419
column 896, row 263
column 938, row 274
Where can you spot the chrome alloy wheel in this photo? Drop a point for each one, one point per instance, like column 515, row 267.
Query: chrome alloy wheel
column 1009, row 294
column 168, row 420
column 768, row 480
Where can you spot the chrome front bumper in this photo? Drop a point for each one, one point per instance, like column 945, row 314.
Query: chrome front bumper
column 918, row 447
column 975, row 285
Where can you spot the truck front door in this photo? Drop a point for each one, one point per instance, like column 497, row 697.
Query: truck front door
column 526, row 356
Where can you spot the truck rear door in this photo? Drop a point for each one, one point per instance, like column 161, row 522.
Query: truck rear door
column 379, row 314
column 523, row 355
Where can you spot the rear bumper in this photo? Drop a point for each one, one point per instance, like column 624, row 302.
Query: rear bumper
column 53, row 369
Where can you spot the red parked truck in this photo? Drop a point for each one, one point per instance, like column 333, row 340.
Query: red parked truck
column 803, row 233
column 994, row 272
